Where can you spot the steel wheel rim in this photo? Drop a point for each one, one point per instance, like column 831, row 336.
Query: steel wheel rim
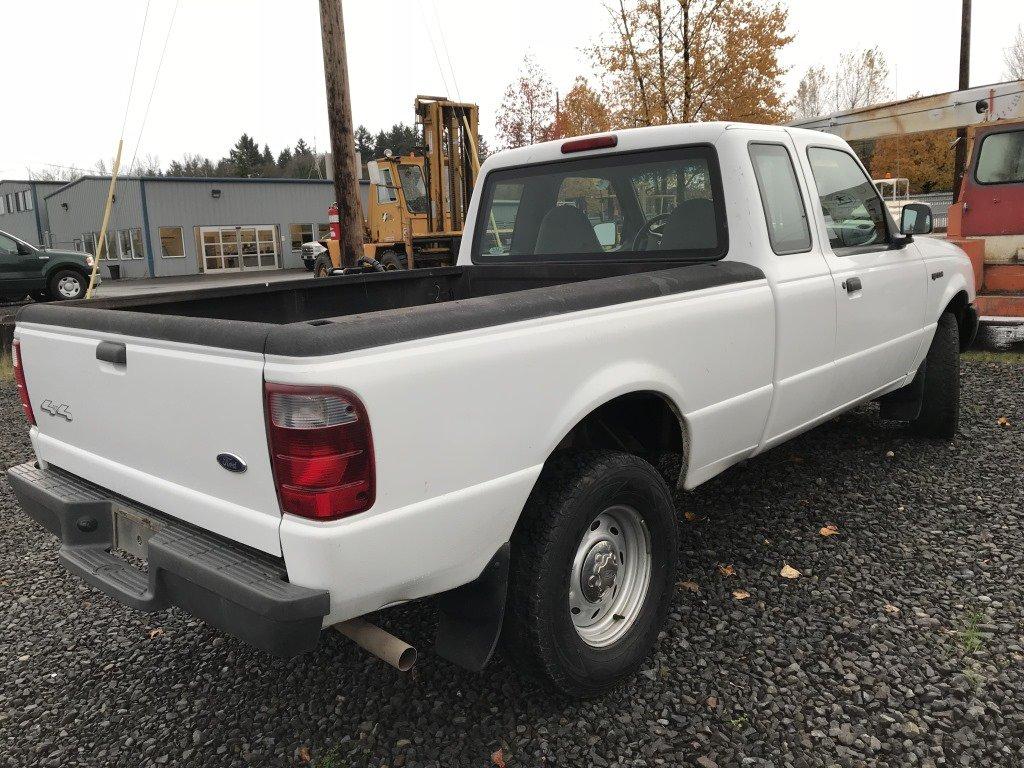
column 69, row 287
column 605, row 601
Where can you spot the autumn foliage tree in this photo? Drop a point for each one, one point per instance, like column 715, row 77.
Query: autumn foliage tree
column 581, row 111
column 670, row 61
column 528, row 109
column 926, row 159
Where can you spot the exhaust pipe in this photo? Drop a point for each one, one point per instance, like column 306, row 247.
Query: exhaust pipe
column 379, row 642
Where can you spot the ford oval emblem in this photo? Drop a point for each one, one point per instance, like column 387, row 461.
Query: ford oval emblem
column 232, row 463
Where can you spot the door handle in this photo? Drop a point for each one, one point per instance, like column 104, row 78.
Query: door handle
column 112, row 352
column 852, row 284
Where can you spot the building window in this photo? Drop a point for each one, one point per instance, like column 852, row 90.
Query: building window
column 172, row 244
column 90, row 241
column 3, row 205
column 26, row 200
column 301, row 233
column 78, row 244
column 11, row 206
column 322, row 231
column 130, row 243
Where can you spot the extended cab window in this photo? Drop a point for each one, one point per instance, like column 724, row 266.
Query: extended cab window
column 784, row 210
column 1001, row 158
column 665, row 204
column 854, row 212
column 8, row 246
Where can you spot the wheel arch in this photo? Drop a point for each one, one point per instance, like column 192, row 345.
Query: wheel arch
column 959, row 305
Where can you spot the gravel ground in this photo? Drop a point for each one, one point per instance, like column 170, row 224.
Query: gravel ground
column 900, row 644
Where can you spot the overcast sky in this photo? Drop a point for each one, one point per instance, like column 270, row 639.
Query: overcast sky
column 256, row 65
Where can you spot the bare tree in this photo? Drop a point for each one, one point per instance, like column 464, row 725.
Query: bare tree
column 860, row 79
column 1014, row 57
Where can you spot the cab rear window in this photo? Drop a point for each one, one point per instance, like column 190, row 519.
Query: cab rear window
column 1001, row 158
column 664, row 205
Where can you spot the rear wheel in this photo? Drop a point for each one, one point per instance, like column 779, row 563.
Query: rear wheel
column 67, row 284
column 591, row 573
column 392, row 261
column 940, row 403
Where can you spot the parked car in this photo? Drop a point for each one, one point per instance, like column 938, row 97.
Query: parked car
column 42, row 273
column 310, row 252
column 505, row 433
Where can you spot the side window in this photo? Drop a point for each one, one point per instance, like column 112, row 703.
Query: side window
column 1001, row 158
column 595, row 197
column 387, row 192
column 854, row 212
column 172, row 244
column 8, row 246
column 501, row 219
column 784, row 211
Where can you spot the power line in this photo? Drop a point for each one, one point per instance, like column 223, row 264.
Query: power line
column 156, row 79
column 444, row 44
column 135, row 69
column 430, row 37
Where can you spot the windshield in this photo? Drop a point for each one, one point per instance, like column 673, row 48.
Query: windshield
column 411, row 179
column 664, row 204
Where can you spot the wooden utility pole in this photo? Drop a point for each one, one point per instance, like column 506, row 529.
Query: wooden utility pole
column 343, row 141
column 965, row 83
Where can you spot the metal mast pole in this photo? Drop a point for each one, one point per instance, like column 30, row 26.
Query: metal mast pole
column 965, row 83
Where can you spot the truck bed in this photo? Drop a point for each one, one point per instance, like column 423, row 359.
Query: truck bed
column 334, row 315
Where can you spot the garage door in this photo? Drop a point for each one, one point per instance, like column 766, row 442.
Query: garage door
column 239, row 249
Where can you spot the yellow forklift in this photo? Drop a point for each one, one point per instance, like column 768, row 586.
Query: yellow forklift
column 417, row 203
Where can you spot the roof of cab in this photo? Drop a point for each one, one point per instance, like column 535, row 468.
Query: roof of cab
column 633, row 139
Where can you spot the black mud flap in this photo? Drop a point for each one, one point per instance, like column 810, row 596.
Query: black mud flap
column 470, row 622
column 904, row 404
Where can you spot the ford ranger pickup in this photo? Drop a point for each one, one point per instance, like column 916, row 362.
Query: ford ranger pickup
column 630, row 313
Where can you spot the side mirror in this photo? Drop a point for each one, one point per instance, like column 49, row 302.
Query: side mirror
column 605, row 233
column 916, row 219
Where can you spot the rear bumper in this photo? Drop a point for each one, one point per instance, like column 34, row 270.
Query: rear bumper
column 232, row 588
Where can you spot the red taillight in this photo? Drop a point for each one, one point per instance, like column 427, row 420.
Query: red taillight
column 594, row 142
column 321, row 449
column 19, row 379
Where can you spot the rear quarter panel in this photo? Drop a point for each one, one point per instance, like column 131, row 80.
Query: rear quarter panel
column 462, row 425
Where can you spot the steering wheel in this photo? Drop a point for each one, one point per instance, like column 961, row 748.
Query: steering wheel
column 647, row 230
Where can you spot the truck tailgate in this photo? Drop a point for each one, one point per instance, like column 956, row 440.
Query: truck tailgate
column 151, row 429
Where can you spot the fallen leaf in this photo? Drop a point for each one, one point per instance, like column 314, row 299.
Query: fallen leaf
column 498, row 758
column 741, row 594
column 690, row 517
column 889, row 454
column 155, row 633
column 713, row 702
column 304, row 755
column 1003, row 422
column 788, row 571
column 726, row 570
column 690, row 585
column 796, row 459
column 829, row 530
column 890, row 608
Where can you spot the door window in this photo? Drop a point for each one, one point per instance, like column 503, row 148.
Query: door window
column 784, row 210
column 1001, row 158
column 386, row 192
column 854, row 212
column 412, row 185
column 8, row 246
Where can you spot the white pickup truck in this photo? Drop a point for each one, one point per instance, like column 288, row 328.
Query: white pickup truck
column 630, row 312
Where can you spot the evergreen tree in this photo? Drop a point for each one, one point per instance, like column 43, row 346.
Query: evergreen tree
column 245, row 156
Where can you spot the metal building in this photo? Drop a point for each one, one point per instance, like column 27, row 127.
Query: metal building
column 162, row 226
column 22, row 210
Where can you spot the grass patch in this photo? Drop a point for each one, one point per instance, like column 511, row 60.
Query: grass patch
column 6, row 368
column 970, row 636
column 985, row 356
column 739, row 723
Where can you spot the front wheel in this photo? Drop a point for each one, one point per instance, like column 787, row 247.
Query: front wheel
column 322, row 266
column 67, row 284
column 591, row 573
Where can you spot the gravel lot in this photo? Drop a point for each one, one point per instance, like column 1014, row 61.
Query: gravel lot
column 899, row 645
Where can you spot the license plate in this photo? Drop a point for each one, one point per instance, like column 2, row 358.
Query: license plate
column 133, row 530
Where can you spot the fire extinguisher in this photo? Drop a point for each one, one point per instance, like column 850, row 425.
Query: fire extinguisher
column 332, row 218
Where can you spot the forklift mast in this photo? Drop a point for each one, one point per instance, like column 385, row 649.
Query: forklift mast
column 451, row 163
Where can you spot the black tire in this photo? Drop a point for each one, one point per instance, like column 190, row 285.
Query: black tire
column 940, row 404
column 308, row 264
column 64, row 281
column 392, row 261
column 322, row 266
column 538, row 635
